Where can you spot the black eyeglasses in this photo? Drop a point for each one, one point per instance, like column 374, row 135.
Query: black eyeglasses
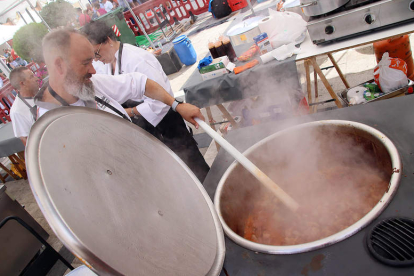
column 97, row 55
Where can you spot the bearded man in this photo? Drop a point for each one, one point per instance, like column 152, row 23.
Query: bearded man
column 72, row 81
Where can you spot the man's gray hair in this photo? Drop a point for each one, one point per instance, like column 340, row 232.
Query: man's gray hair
column 57, row 40
column 17, row 75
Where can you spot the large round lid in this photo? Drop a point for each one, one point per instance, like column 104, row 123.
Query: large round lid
column 119, row 199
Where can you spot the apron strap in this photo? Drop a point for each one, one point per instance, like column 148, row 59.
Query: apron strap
column 33, row 109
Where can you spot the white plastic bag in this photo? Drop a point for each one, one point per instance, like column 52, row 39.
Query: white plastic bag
column 287, row 28
column 391, row 73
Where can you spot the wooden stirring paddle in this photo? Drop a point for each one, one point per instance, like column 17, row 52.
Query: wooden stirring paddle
column 255, row 171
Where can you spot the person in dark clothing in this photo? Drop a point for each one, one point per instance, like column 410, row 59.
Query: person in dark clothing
column 157, row 118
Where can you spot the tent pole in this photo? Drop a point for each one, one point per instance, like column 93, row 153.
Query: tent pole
column 21, row 16
column 251, row 7
column 30, row 15
column 139, row 24
column 38, row 14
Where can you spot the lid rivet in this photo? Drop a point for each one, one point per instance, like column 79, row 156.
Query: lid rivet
column 109, row 172
column 160, row 213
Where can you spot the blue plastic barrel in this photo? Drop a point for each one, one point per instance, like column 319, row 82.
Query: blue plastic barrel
column 185, row 50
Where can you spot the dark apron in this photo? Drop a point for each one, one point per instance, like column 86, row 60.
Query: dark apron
column 173, row 132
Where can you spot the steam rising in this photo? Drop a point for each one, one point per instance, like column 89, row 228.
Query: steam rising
column 336, row 176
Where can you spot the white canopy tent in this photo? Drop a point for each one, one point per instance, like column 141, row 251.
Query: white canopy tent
column 20, row 12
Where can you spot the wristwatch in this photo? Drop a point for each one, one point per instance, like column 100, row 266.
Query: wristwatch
column 175, row 104
column 133, row 113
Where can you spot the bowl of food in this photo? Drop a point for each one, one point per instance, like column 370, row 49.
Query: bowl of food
column 342, row 173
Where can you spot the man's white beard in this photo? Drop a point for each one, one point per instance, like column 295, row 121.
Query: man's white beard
column 84, row 92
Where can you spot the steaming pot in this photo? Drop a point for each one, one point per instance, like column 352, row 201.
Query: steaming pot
column 383, row 150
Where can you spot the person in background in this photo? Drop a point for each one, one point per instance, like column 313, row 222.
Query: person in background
column 13, row 54
column 99, row 11
column 155, row 117
column 107, row 5
column 83, row 17
column 6, row 53
column 89, row 10
column 12, row 63
column 131, row 3
column 21, row 112
column 3, row 77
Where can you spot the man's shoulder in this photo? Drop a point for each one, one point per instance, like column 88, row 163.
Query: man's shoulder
column 137, row 51
column 17, row 106
column 138, row 57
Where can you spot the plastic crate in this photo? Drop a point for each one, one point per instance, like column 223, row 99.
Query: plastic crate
column 236, row 5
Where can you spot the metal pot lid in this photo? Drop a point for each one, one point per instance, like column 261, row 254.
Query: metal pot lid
column 119, row 199
column 245, row 26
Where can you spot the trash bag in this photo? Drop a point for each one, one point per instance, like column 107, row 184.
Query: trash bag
column 284, row 28
column 219, row 8
column 391, row 73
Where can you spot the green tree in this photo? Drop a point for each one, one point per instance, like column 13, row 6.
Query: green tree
column 58, row 13
column 27, row 41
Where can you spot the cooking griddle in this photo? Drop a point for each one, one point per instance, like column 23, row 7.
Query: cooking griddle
column 119, row 199
column 393, row 117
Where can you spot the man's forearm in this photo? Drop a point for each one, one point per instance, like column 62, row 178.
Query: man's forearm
column 24, row 140
column 155, row 91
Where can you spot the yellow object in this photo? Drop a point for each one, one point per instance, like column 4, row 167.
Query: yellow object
column 15, row 171
column 243, row 37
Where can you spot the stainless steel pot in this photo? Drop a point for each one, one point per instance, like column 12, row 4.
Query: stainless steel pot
column 231, row 188
column 245, row 31
column 318, row 7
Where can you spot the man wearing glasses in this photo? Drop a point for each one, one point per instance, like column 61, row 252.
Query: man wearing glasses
column 115, row 58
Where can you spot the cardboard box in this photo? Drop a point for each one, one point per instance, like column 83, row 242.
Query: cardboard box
column 217, row 64
column 214, row 74
column 262, row 41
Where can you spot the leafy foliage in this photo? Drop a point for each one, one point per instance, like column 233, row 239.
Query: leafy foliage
column 27, row 41
column 58, row 13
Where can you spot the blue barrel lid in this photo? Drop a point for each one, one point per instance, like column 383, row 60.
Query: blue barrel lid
column 179, row 39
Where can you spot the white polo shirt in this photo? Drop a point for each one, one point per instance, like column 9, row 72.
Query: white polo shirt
column 108, row 6
column 135, row 59
column 22, row 119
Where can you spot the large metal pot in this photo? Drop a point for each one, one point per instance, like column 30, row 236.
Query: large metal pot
column 318, row 7
column 245, row 31
column 236, row 188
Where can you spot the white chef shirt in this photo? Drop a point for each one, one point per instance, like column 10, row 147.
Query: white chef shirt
column 135, row 59
column 22, row 119
column 114, row 90
column 108, row 6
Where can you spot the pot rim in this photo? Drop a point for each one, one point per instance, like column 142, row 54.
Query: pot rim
column 339, row 236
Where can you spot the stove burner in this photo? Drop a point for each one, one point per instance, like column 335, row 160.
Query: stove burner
column 352, row 4
column 391, row 241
